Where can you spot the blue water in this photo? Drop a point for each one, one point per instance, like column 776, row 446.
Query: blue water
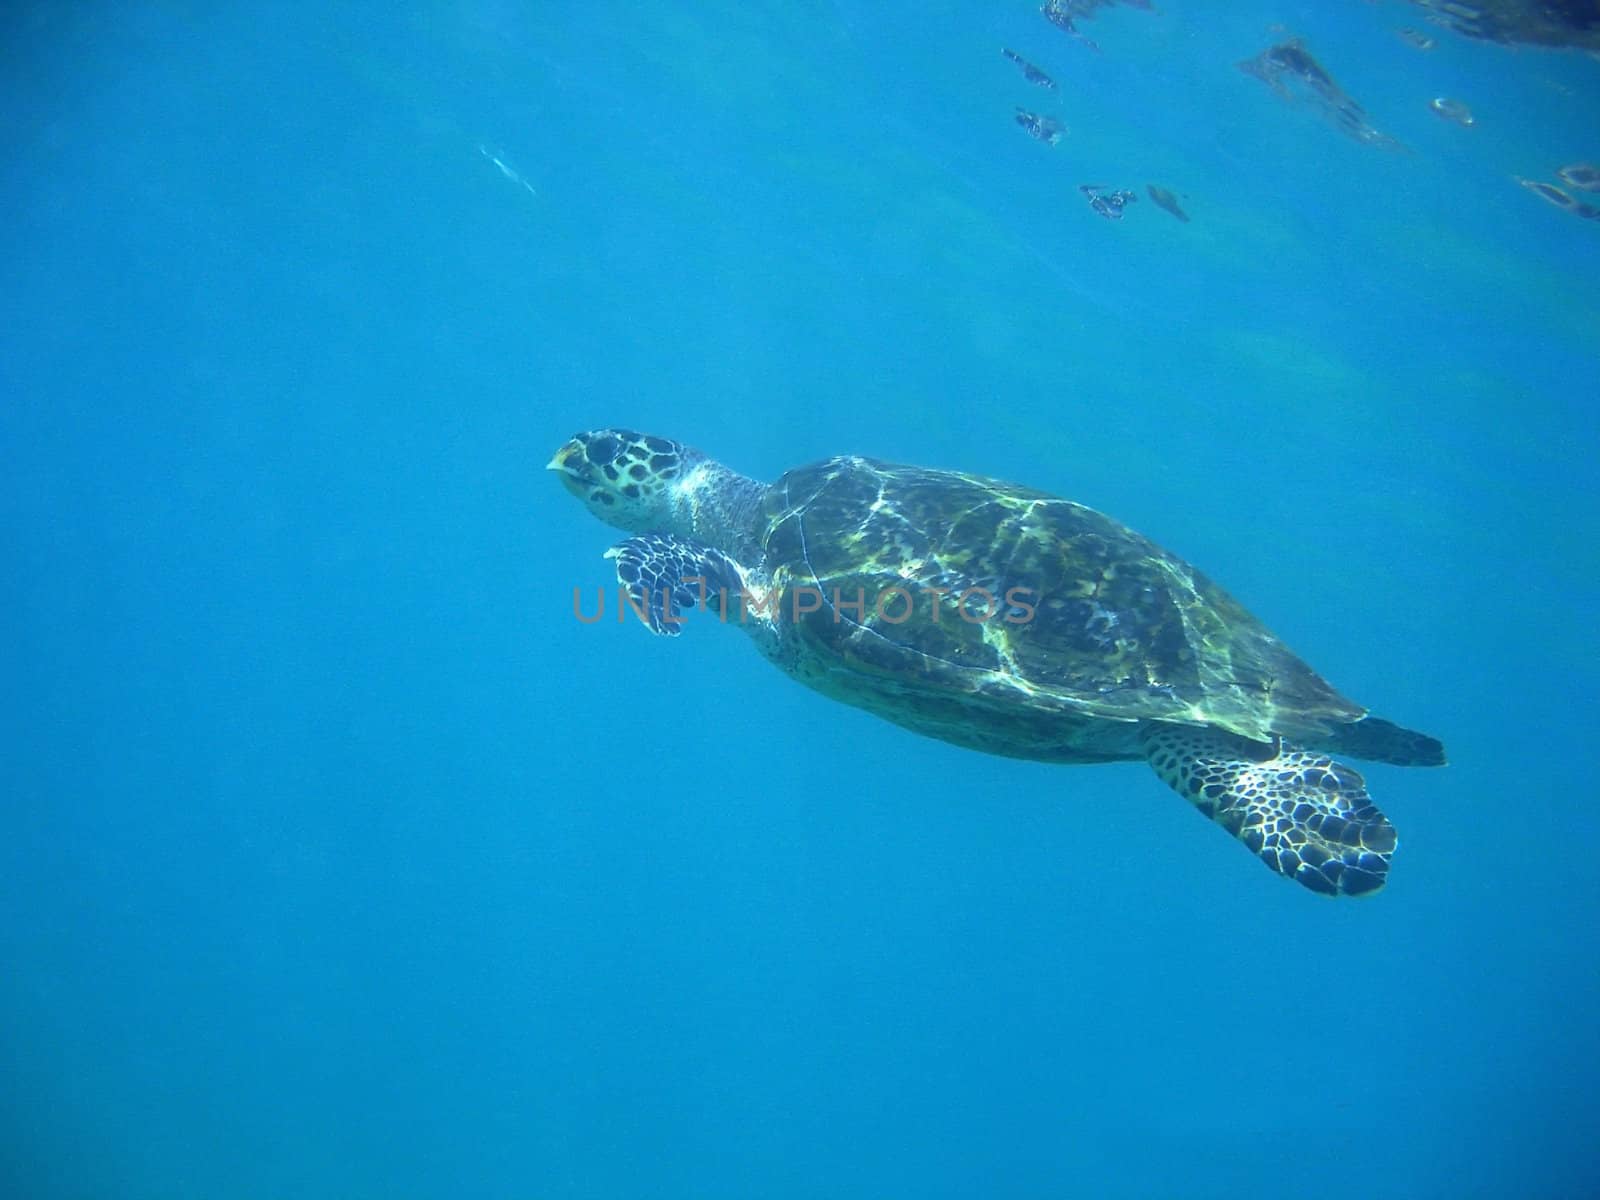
column 337, row 859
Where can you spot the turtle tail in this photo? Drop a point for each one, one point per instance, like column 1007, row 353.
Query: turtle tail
column 1377, row 740
column 1307, row 817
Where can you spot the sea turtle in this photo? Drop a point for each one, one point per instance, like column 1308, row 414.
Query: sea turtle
column 1005, row 620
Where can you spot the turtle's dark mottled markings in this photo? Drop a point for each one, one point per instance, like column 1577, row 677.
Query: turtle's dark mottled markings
column 1129, row 653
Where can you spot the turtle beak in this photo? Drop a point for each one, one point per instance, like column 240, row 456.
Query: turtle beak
column 572, row 459
column 573, row 464
column 563, row 456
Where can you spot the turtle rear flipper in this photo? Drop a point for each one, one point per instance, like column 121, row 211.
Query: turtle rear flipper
column 1308, row 817
column 663, row 576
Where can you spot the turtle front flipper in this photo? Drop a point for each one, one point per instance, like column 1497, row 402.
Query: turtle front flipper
column 663, row 576
column 1308, row 817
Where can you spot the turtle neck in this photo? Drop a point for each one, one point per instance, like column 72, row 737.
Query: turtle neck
column 718, row 506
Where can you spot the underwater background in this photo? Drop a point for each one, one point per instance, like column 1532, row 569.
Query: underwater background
column 338, row 859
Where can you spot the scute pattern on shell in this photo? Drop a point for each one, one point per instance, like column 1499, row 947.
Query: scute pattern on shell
column 1121, row 630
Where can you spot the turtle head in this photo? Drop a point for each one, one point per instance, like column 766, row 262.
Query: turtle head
column 628, row 480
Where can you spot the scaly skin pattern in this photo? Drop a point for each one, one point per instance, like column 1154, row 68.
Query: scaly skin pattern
column 1307, row 817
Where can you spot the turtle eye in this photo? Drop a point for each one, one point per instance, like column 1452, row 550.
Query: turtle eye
column 602, row 450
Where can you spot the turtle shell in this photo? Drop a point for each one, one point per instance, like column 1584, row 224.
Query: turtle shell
column 948, row 585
